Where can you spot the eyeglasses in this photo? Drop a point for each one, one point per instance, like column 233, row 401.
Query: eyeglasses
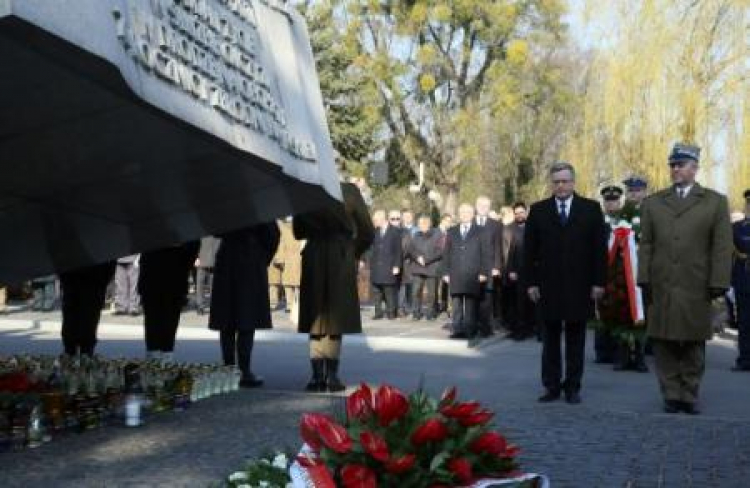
column 395, row 219
column 677, row 164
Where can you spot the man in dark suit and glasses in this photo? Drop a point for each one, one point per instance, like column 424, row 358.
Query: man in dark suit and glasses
column 565, row 266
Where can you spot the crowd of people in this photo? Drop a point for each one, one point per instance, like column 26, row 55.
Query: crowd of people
column 643, row 270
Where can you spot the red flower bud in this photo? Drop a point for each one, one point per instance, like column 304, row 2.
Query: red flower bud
column 479, row 418
column 359, row 404
column 401, row 464
column 390, row 405
column 449, row 396
column 432, row 430
column 490, row 443
column 358, row 476
column 375, row 446
column 461, row 469
column 460, row 410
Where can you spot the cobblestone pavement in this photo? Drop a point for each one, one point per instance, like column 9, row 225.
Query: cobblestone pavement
column 617, row 438
column 575, row 446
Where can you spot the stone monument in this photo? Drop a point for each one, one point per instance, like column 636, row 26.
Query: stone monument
column 128, row 125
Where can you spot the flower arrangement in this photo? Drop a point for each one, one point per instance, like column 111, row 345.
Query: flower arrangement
column 270, row 471
column 390, row 440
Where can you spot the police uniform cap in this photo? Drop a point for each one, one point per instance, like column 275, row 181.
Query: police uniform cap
column 611, row 192
column 685, row 152
column 635, row 182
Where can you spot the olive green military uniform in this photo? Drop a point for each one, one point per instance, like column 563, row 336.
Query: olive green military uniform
column 685, row 251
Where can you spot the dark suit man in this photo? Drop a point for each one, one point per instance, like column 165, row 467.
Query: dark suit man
column 386, row 258
column 425, row 252
column 492, row 236
column 519, row 310
column 565, row 265
column 466, row 263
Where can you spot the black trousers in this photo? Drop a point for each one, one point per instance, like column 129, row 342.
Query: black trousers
column 163, row 284
column 464, row 314
column 518, row 310
column 486, row 308
column 83, row 294
column 575, row 347
column 237, row 348
column 387, row 294
column 605, row 346
column 424, row 286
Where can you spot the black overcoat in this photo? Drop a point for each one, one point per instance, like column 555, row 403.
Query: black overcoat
column 386, row 253
column 565, row 261
column 514, row 261
column 239, row 299
column 492, row 234
column 336, row 239
column 465, row 259
column 429, row 246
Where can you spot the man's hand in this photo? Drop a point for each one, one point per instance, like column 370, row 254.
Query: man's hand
column 361, row 265
column 447, row 279
column 482, row 278
column 534, row 294
column 495, row 272
column 597, row 292
column 421, row 261
column 197, row 262
column 513, row 276
column 396, row 271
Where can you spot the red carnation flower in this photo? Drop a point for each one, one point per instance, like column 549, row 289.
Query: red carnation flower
column 358, row 476
column 461, row 469
column 432, row 430
column 490, row 443
column 375, row 446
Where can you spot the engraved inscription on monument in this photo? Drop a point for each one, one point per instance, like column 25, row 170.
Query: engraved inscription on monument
column 211, row 50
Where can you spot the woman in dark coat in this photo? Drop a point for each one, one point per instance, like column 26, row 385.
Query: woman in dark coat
column 329, row 306
column 239, row 301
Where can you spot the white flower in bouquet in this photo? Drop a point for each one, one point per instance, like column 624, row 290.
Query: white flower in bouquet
column 238, row 476
column 244, row 486
column 636, row 220
column 280, row 461
column 263, row 484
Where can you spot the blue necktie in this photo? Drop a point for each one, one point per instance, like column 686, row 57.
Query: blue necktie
column 563, row 213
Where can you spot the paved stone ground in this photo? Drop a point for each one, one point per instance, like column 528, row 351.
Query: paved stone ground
column 617, row 438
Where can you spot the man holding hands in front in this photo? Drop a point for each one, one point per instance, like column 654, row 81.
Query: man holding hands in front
column 684, row 261
column 565, row 265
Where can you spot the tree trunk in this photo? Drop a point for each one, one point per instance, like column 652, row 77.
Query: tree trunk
column 451, row 200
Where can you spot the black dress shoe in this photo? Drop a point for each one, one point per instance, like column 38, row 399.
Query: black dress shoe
column 550, row 396
column 458, row 335
column 573, row 397
column 251, row 381
column 689, row 408
column 377, row 316
column 738, row 369
column 641, row 367
column 671, row 406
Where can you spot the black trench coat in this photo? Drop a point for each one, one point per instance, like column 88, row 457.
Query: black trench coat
column 336, row 239
column 565, row 261
column 465, row 259
column 239, row 300
column 387, row 253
